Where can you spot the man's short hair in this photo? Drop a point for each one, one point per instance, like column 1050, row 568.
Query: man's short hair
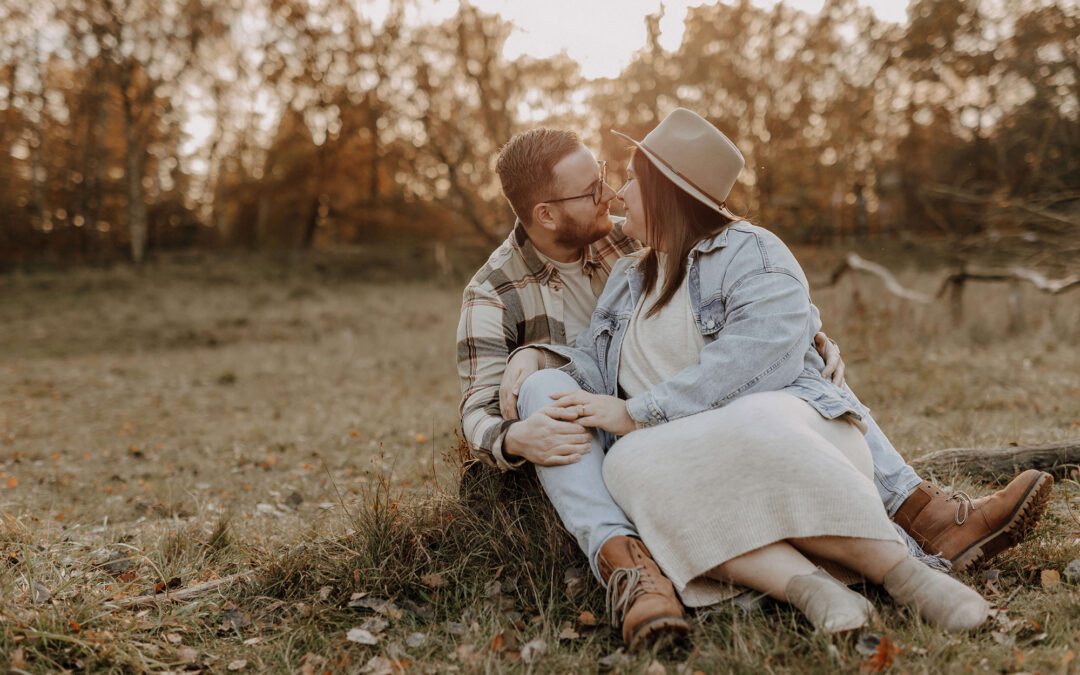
column 525, row 167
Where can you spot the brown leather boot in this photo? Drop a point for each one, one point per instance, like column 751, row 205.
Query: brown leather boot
column 969, row 532
column 639, row 596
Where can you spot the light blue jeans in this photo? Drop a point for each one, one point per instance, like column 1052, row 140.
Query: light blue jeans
column 576, row 490
column 894, row 479
column 590, row 514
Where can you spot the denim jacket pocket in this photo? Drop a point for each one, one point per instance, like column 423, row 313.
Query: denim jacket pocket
column 830, row 406
column 602, row 336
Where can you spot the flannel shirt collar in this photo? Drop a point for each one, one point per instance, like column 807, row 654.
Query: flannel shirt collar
column 541, row 268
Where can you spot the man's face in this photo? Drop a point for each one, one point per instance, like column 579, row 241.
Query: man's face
column 579, row 222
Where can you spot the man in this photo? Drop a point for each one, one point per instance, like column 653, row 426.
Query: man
column 541, row 286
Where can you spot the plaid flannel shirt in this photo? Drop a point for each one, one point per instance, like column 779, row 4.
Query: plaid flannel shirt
column 514, row 300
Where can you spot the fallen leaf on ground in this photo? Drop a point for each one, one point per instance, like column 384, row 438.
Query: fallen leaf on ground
column 312, row 663
column 617, row 659
column 17, row 660
column 173, row 638
column 39, row 594
column 375, row 624
column 238, row 664
column 532, row 650
column 433, row 580
column 379, row 605
column 1050, row 578
column 325, row 592
column 1072, row 571
column 415, row 639
column 655, row 668
column 587, row 618
column 883, row 657
column 466, row 653
column 868, row 644
column 118, row 563
column 380, row 665
column 361, row 636
column 568, row 633
column 187, row 654
column 455, row 628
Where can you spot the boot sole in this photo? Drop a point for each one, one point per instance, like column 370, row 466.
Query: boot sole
column 655, row 629
column 1023, row 520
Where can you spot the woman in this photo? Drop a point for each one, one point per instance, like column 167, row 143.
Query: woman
column 738, row 463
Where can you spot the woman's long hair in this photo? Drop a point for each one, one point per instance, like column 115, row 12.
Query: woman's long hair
column 674, row 223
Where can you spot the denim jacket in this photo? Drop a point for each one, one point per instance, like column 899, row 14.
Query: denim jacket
column 751, row 302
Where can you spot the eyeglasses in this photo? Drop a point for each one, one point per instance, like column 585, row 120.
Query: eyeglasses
column 595, row 193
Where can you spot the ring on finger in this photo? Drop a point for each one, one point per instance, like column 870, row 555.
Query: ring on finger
column 581, row 412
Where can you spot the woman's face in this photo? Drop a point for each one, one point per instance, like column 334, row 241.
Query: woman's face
column 630, row 196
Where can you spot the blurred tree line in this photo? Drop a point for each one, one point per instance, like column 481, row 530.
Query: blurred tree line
column 128, row 126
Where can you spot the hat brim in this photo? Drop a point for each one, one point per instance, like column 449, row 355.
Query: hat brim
column 682, row 183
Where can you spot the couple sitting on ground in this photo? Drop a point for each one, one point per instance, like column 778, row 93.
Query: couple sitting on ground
column 666, row 377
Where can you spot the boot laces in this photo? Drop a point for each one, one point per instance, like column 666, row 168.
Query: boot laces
column 625, row 585
column 963, row 503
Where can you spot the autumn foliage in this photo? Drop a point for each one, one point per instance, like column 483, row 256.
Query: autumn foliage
column 139, row 126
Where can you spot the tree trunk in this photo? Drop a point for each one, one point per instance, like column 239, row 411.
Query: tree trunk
column 990, row 464
column 136, row 207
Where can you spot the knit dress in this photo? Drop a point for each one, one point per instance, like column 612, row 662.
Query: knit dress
column 707, row 488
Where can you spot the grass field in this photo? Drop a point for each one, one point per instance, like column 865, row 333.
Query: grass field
column 194, row 420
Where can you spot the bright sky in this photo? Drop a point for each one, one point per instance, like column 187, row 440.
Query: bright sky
column 602, row 35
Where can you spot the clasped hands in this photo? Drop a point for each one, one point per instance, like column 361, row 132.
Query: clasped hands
column 558, row 433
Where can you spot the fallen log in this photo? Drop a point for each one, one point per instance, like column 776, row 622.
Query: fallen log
column 189, row 593
column 990, row 464
column 854, row 263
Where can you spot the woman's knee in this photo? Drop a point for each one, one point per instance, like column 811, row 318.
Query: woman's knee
column 537, row 389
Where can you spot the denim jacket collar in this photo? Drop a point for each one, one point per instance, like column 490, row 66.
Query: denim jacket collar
column 719, row 240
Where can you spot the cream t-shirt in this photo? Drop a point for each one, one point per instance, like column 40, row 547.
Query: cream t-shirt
column 656, row 348
column 574, row 288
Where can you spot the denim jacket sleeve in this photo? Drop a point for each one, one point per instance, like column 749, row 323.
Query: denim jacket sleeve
column 579, row 361
column 760, row 342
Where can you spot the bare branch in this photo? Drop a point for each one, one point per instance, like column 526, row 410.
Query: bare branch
column 190, row 593
column 854, row 263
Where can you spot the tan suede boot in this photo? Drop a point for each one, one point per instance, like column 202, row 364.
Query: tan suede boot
column 639, row 597
column 938, row 598
column 968, row 532
column 830, row 606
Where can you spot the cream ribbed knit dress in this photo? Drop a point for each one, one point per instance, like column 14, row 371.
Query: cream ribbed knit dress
column 706, row 488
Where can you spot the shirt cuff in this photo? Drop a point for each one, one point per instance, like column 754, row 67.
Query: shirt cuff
column 644, row 411
column 551, row 358
column 501, row 460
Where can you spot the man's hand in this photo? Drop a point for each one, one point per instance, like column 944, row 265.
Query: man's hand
column 548, row 438
column 834, row 365
column 521, row 365
column 596, row 410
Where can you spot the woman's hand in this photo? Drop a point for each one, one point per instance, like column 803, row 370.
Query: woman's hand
column 521, row 365
column 596, row 410
column 830, row 352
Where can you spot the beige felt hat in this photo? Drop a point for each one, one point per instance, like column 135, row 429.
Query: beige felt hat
column 695, row 155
